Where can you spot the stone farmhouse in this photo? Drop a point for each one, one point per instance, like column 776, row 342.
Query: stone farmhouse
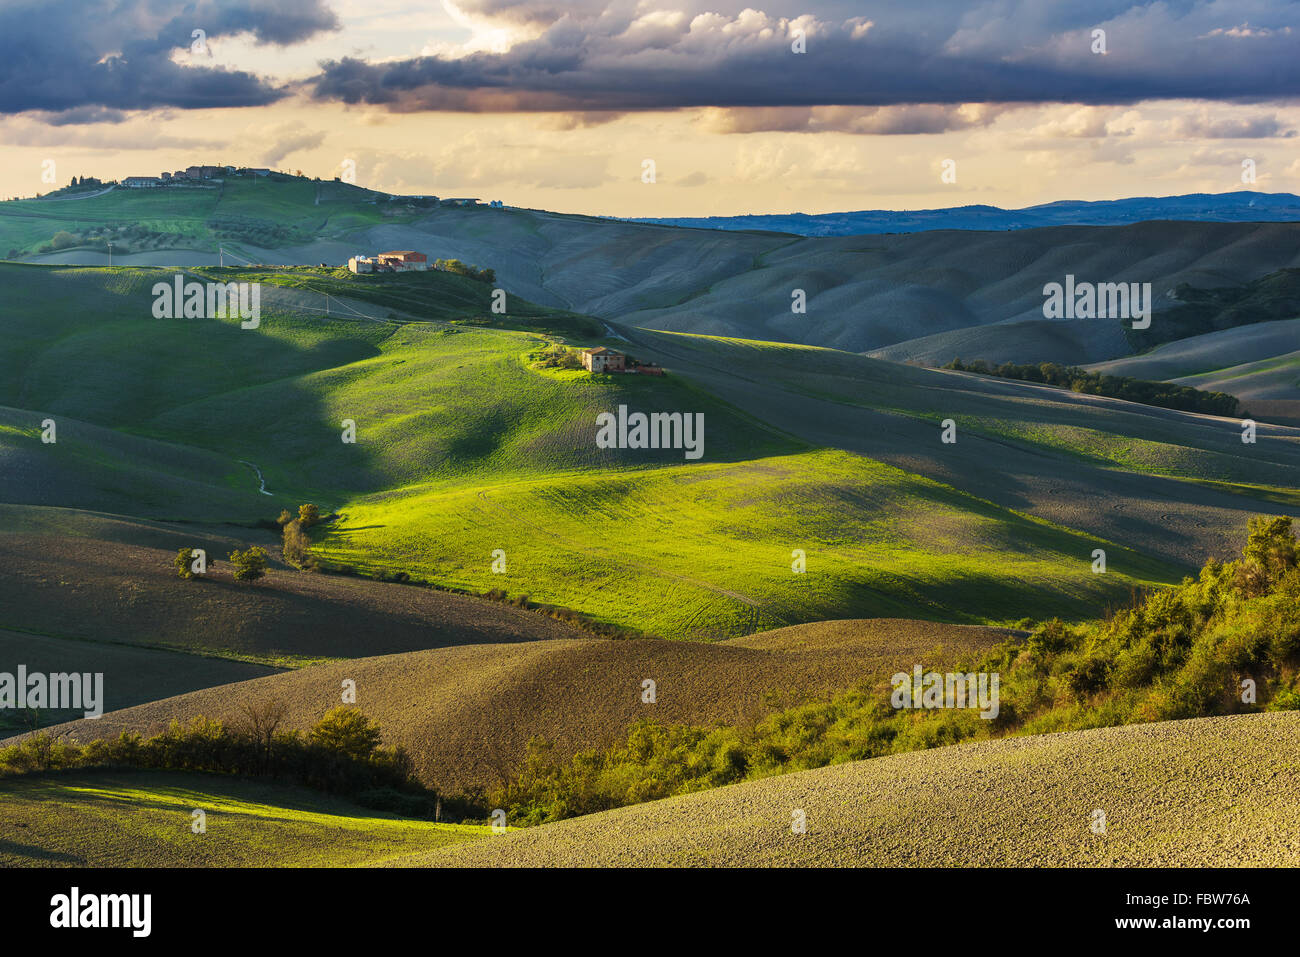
column 401, row 260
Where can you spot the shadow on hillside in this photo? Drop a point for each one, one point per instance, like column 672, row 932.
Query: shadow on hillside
column 29, row 852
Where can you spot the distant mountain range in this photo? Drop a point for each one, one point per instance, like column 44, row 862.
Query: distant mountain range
column 1237, row 207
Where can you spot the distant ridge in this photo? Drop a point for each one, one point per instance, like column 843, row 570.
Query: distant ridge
column 1242, row 206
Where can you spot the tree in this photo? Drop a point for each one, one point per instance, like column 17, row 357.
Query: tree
column 285, row 517
column 260, row 720
column 184, row 562
column 309, row 515
column 1270, row 553
column 294, row 544
column 347, row 731
column 250, row 565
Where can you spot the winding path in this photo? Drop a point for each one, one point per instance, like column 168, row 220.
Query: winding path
column 261, row 479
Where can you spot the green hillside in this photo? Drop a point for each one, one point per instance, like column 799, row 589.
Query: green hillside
column 83, row 347
column 466, row 445
column 144, row 819
column 259, row 211
column 707, row 550
column 927, row 296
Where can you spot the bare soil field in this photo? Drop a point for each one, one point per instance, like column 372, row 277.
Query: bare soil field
column 132, row 675
column 466, row 713
column 103, row 585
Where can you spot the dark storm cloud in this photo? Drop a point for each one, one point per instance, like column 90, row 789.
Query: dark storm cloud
column 620, row 56
column 70, row 55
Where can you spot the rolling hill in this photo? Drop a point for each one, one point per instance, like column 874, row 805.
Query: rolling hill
column 467, row 447
column 466, row 713
column 1237, row 207
column 94, row 586
column 1174, row 794
column 1258, row 363
column 840, row 498
column 899, row 292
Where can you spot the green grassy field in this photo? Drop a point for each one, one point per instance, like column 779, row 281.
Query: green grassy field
column 144, row 819
column 464, row 446
column 707, row 550
column 83, row 346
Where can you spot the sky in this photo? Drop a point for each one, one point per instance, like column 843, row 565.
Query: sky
column 760, row 107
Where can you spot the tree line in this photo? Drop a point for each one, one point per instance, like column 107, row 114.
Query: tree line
column 1162, row 394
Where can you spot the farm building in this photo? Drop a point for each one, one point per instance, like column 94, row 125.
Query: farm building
column 404, row 260
column 138, row 182
column 401, row 260
column 460, row 201
column 603, row 360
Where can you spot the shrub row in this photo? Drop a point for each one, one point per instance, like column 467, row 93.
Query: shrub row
column 1160, row 394
column 340, row 755
column 1225, row 642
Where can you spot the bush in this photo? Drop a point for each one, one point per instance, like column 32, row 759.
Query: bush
column 1270, row 551
column 340, row 756
column 1285, row 700
column 64, row 240
column 250, row 564
column 396, row 802
column 464, row 269
column 309, row 515
column 558, row 356
column 184, row 562
column 347, row 731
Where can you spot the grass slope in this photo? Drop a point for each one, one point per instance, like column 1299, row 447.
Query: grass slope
column 1124, row 472
column 465, row 447
column 706, row 550
column 143, row 819
column 237, row 211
